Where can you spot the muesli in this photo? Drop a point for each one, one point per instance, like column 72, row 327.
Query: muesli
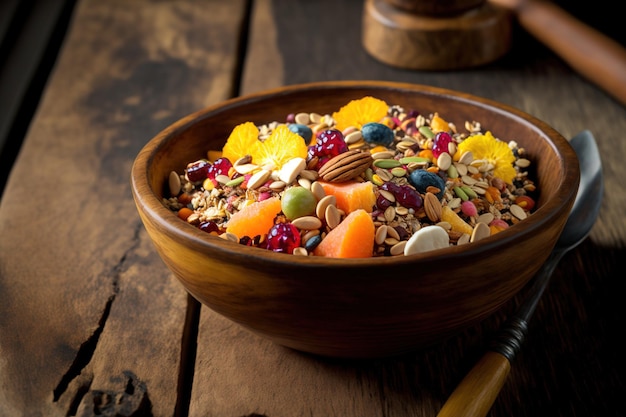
column 370, row 179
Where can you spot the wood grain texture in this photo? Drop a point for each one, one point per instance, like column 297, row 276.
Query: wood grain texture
column 125, row 73
column 83, row 297
column 436, row 7
column 571, row 338
column 594, row 55
column 421, row 41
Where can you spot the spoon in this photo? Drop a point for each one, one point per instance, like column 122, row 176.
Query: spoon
column 478, row 390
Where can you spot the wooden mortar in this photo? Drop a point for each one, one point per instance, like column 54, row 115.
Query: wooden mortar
column 435, row 34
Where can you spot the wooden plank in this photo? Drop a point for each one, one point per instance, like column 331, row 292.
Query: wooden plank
column 238, row 373
column 86, row 305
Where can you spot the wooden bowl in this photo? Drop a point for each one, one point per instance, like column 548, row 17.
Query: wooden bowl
column 354, row 308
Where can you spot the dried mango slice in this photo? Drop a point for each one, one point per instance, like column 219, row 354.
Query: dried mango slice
column 438, row 124
column 457, row 223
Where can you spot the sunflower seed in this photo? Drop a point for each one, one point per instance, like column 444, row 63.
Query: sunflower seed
column 307, row 223
column 174, row 184
column 481, row 231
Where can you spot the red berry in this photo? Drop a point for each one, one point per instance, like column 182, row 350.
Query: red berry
column 221, row 166
column 406, row 195
column 209, row 227
column 329, row 143
column 409, row 198
column 440, row 143
column 198, row 170
column 283, row 237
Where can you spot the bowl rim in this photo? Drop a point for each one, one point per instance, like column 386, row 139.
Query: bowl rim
column 154, row 208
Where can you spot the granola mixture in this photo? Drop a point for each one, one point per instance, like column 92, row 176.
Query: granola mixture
column 423, row 172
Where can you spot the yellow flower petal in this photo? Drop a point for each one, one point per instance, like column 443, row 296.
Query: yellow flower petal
column 494, row 151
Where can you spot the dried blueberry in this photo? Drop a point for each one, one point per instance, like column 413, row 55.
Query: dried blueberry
column 377, row 133
column 302, row 130
column 422, row 179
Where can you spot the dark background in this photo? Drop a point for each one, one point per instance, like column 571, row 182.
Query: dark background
column 32, row 32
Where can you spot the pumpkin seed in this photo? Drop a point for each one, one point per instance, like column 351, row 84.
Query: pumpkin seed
column 386, row 163
column 518, row 212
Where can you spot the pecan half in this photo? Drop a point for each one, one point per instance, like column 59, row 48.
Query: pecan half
column 345, row 166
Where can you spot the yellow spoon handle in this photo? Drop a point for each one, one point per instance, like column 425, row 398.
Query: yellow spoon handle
column 475, row 395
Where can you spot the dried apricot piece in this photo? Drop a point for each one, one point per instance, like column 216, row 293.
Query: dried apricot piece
column 352, row 238
column 351, row 195
column 438, row 124
column 254, row 219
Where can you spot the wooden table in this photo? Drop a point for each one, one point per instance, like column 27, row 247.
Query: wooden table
column 89, row 313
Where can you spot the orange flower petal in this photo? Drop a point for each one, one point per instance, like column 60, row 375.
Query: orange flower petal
column 242, row 141
column 359, row 112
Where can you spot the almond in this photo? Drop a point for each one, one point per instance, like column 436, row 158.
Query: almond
column 432, row 207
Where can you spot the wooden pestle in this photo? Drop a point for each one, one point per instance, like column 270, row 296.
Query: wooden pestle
column 595, row 56
column 454, row 34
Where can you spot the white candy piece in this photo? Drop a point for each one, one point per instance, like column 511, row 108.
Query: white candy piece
column 291, row 169
column 426, row 239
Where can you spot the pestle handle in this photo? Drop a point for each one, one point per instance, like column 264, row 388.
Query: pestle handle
column 595, row 56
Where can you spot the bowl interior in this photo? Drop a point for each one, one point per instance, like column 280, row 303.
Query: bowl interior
column 554, row 162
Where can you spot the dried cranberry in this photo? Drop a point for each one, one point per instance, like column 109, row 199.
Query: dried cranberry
column 246, row 241
column 209, row 227
column 328, row 144
column 198, row 170
column 412, row 113
column 406, row 195
column 382, row 203
column 402, row 232
column 409, row 198
column 392, row 187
